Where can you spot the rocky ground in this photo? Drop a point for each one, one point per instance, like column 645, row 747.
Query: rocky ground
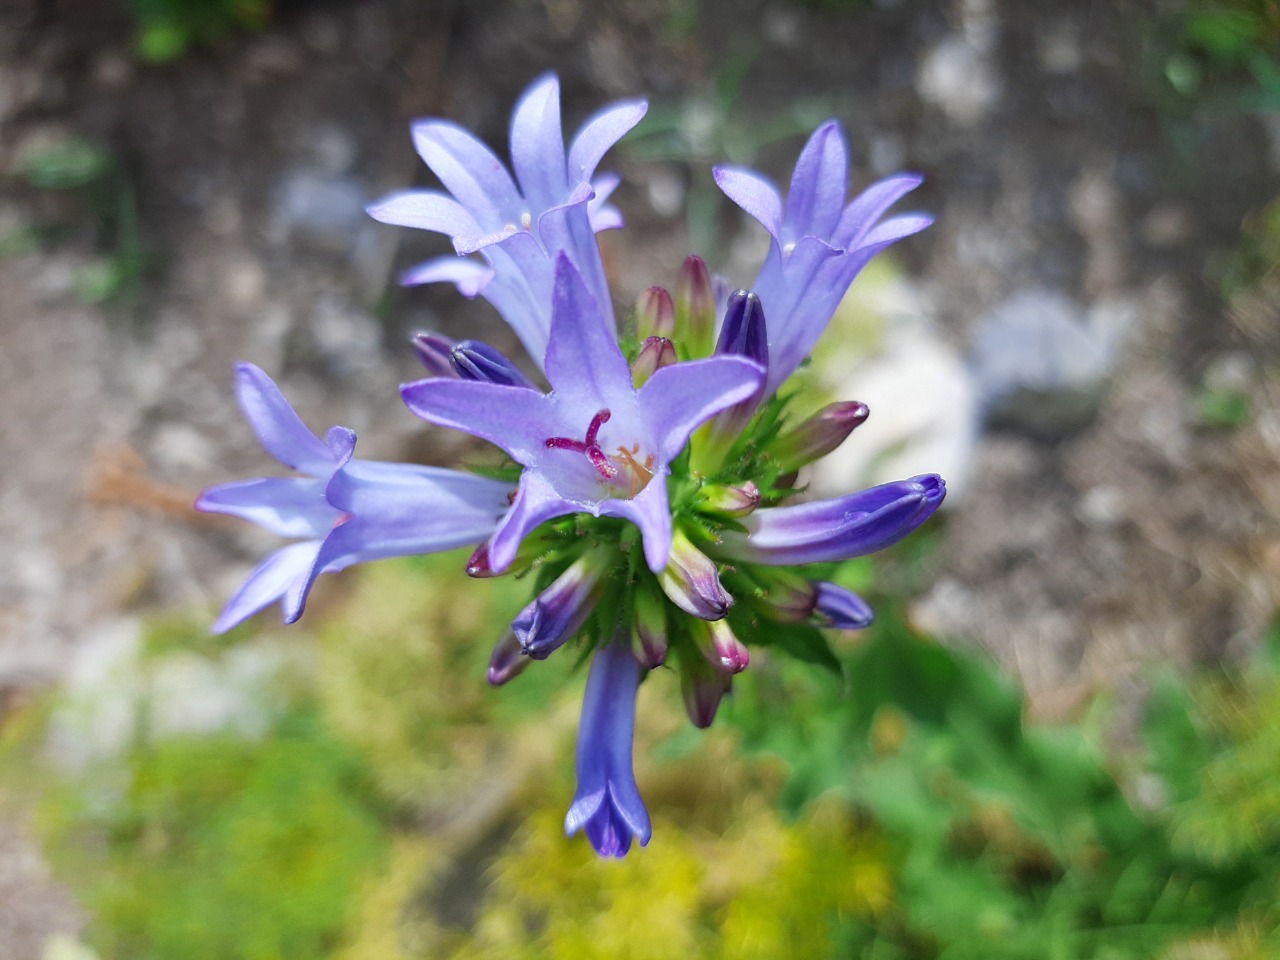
column 1099, row 521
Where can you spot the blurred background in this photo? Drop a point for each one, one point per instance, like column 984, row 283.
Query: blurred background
column 1061, row 738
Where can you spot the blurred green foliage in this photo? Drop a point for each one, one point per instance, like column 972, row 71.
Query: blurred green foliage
column 100, row 198
column 167, row 29
column 1223, row 53
column 396, row 807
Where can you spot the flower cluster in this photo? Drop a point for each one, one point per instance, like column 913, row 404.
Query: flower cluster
column 647, row 489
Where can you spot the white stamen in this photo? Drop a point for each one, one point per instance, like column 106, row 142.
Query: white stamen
column 526, row 220
column 787, row 249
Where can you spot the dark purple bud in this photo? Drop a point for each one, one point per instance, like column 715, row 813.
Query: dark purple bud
column 655, row 314
column 507, row 660
column 561, row 609
column 818, row 435
column 703, row 688
column 743, row 331
column 692, row 582
column 433, row 352
column 733, row 501
column 474, row 360
column 695, row 325
column 656, row 353
column 719, row 646
column 841, row 609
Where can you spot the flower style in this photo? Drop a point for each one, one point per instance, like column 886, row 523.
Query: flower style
column 649, row 492
column 347, row 511
column 818, row 243
column 520, row 231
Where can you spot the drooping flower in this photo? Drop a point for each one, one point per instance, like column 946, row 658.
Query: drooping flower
column 554, row 206
column 607, row 804
column 344, row 511
column 819, row 244
column 595, row 444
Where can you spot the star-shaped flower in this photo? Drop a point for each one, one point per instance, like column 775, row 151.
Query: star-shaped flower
column 556, row 208
column 346, row 511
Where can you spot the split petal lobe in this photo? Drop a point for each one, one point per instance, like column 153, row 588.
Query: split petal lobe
column 600, row 133
column 469, row 170
column 865, row 210
column 584, row 363
column 681, row 397
column 537, row 143
column 754, row 194
column 278, row 426
column 893, row 230
column 269, row 583
column 513, row 418
column 425, row 210
column 816, row 197
column 287, row 506
column 469, row 276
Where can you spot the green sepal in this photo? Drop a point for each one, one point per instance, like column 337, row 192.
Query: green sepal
column 805, row 643
column 504, row 472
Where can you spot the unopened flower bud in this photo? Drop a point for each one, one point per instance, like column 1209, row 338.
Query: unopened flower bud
column 819, row 435
column 703, row 688
column 655, row 314
column 692, row 582
column 743, row 332
column 841, row 609
column 695, row 325
column 728, row 501
column 474, row 360
column 719, row 646
column 787, row 597
column 507, row 660
column 480, row 566
column 433, row 351
column 656, row 353
column 560, row 610
column 649, row 630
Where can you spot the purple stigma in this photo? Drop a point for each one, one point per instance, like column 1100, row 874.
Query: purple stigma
column 599, row 459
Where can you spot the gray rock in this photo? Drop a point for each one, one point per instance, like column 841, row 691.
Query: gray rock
column 1042, row 364
column 326, row 211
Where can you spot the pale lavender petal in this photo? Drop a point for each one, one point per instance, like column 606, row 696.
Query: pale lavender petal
column 425, row 210
column 868, row 207
column 566, row 231
column 278, row 426
column 470, row 171
column 679, row 398
column 521, row 289
column 600, row 133
column 605, row 217
column 288, row 506
column 469, row 276
column 754, row 194
column 272, row 580
column 650, row 510
column 517, row 419
column 401, row 509
column 816, row 197
column 535, row 503
column 584, row 363
column 537, row 144
column 833, row 530
column 602, row 214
